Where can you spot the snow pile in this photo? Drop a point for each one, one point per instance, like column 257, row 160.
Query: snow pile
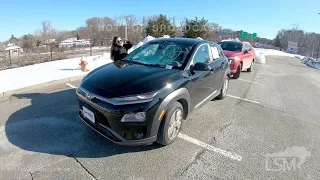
column 148, row 38
column 260, row 57
column 17, row 78
column 272, row 52
column 314, row 63
column 261, row 53
column 145, row 40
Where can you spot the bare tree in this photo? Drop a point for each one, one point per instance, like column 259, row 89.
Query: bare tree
column 93, row 28
column 47, row 32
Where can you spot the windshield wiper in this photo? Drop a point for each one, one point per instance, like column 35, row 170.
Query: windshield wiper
column 143, row 63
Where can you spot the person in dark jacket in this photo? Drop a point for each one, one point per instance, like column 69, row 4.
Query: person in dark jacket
column 119, row 48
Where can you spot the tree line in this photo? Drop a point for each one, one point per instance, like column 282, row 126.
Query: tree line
column 101, row 30
column 308, row 42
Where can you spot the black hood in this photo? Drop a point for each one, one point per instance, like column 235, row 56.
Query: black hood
column 122, row 79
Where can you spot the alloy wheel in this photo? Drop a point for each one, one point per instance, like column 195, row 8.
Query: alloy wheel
column 175, row 124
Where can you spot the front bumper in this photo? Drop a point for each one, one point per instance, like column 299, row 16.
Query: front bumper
column 108, row 121
column 114, row 137
column 233, row 70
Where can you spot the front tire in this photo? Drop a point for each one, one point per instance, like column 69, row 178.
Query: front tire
column 225, row 87
column 237, row 74
column 171, row 124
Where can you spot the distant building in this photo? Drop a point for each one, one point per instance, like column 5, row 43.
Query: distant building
column 71, row 42
column 13, row 50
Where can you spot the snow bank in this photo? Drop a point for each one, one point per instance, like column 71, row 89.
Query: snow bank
column 260, row 57
column 261, row 53
column 17, row 78
column 273, row 52
column 314, row 63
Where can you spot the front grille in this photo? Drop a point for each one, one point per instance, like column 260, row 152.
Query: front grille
column 99, row 116
column 101, row 129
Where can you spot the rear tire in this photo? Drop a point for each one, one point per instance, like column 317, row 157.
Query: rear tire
column 237, row 74
column 251, row 67
column 171, row 124
column 224, row 89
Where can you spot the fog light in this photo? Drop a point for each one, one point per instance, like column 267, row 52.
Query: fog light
column 134, row 117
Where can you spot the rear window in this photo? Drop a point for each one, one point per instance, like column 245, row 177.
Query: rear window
column 231, row 46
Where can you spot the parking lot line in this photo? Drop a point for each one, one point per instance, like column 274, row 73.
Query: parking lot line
column 249, row 81
column 248, row 100
column 72, row 86
column 208, row 147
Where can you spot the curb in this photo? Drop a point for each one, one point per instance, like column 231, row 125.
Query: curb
column 37, row 86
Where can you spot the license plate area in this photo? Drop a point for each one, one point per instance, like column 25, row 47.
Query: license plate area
column 88, row 114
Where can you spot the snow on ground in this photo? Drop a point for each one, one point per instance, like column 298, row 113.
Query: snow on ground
column 260, row 57
column 314, row 63
column 261, row 53
column 17, row 78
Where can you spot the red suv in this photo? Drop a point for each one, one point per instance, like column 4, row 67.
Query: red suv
column 240, row 55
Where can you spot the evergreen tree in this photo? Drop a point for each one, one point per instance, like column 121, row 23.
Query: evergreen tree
column 159, row 27
column 277, row 42
column 196, row 28
column 13, row 39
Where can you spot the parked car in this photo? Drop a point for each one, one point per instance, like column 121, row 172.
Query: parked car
column 240, row 54
column 146, row 96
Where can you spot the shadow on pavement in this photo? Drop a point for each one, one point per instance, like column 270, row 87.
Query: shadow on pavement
column 51, row 125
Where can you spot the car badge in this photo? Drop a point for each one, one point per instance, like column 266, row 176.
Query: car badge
column 88, row 96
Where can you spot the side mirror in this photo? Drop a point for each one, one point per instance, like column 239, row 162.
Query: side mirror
column 245, row 52
column 200, row 67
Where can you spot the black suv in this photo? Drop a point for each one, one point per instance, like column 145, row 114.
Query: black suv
column 146, row 96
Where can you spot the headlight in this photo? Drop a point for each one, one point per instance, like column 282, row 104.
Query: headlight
column 134, row 99
column 232, row 59
column 236, row 58
column 134, row 117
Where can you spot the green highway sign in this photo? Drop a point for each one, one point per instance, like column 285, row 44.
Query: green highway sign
column 246, row 35
column 253, row 35
column 243, row 35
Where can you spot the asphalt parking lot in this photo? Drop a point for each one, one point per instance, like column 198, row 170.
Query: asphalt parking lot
column 267, row 128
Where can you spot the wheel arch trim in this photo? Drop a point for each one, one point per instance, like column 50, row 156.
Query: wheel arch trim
column 182, row 93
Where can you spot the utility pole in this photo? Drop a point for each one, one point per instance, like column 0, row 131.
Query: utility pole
column 126, row 28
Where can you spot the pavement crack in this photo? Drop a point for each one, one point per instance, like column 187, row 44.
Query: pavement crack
column 273, row 109
column 225, row 126
column 88, row 172
column 194, row 160
column 31, row 175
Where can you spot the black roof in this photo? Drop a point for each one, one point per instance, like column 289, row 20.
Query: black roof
column 187, row 41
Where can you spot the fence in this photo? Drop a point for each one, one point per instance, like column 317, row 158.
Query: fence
column 48, row 52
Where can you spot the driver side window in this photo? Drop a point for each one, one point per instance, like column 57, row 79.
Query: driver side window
column 202, row 55
column 246, row 47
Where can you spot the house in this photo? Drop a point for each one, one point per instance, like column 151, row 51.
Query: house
column 13, row 50
column 73, row 41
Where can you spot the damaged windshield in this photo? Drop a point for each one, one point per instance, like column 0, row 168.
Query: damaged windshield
column 161, row 53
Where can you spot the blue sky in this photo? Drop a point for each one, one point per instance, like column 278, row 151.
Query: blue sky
column 264, row 17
